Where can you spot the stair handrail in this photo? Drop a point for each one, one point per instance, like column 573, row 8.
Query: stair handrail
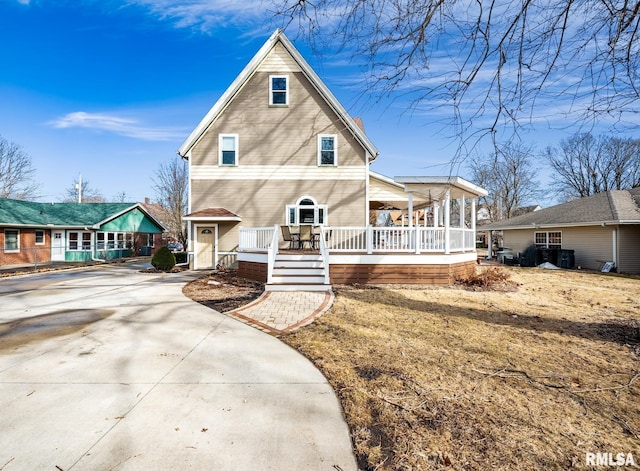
column 272, row 251
column 324, row 252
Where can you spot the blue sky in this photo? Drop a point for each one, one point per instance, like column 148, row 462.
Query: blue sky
column 110, row 89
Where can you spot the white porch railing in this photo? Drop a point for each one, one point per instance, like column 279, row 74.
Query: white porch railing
column 399, row 239
column 256, row 238
column 371, row 239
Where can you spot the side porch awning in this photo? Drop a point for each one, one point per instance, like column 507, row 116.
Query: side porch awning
column 213, row 215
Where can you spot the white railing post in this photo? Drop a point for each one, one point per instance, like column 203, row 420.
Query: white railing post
column 369, row 240
column 272, row 251
column 324, row 252
column 417, row 237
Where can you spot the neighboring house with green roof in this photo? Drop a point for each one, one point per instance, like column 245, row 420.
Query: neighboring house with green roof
column 598, row 228
column 41, row 232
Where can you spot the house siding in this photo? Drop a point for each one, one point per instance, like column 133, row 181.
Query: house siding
column 629, row 249
column 263, row 203
column 284, row 135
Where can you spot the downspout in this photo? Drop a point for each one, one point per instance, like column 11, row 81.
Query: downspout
column 614, row 241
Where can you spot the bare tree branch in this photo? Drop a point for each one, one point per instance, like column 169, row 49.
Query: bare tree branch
column 16, row 172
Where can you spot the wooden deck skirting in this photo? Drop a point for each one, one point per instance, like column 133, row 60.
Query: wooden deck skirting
column 400, row 274
column 441, row 274
column 255, row 271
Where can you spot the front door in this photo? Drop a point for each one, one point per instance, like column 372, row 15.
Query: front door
column 57, row 246
column 205, row 248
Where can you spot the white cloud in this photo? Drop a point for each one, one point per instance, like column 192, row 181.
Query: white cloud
column 117, row 125
column 24, row 2
column 206, row 15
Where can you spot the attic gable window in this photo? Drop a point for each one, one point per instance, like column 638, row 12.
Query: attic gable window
column 228, row 149
column 278, row 90
column 327, row 149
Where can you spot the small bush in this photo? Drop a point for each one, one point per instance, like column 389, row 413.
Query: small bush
column 163, row 259
column 489, row 279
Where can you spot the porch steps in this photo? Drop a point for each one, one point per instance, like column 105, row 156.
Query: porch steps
column 303, row 272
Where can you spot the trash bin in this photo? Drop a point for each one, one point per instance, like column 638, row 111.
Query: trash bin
column 566, row 258
column 503, row 254
column 544, row 255
column 144, row 251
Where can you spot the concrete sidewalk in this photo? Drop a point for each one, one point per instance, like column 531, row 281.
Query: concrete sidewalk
column 148, row 379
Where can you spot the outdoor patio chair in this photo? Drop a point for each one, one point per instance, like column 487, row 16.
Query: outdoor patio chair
column 292, row 238
column 306, row 235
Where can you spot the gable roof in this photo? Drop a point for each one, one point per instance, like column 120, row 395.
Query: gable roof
column 278, row 37
column 19, row 213
column 608, row 207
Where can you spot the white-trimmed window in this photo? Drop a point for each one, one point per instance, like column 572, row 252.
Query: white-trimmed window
column 39, row 236
column 548, row 240
column 306, row 211
column 228, row 149
column 278, row 90
column 79, row 240
column 150, row 240
column 11, row 240
column 328, row 149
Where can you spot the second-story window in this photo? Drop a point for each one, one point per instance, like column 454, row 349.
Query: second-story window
column 278, row 90
column 327, row 149
column 228, row 153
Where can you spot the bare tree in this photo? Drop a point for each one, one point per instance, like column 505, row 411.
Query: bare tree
column 509, row 177
column 171, row 185
column 584, row 165
column 16, row 172
column 493, row 61
column 88, row 194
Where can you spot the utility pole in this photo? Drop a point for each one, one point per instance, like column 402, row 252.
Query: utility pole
column 79, row 188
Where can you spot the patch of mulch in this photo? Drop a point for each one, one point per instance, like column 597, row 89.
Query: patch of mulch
column 223, row 290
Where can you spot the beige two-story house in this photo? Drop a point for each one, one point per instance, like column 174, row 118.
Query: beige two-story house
column 279, row 151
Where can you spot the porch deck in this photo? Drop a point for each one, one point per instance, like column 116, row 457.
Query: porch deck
column 404, row 255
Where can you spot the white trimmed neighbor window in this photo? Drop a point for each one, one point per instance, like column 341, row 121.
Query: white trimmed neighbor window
column 328, row 149
column 11, row 240
column 228, row 149
column 278, row 90
column 548, row 240
column 79, row 240
column 306, row 211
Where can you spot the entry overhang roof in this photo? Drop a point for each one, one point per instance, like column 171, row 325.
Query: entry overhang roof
column 212, row 215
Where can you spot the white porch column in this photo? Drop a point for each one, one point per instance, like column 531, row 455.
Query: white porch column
column 447, row 220
column 490, row 245
column 410, row 209
column 473, row 214
column 436, row 215
column 462, row 212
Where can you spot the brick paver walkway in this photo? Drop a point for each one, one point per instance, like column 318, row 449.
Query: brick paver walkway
column 284, row 311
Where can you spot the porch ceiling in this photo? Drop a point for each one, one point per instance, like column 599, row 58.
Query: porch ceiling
column 393, row 194
column 435, row 188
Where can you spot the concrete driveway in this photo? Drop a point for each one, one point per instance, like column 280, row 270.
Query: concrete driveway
column 110, row 368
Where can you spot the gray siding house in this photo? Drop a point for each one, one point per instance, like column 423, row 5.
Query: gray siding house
column 604, row 227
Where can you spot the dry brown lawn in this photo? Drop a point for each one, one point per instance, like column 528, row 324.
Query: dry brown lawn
column 530, row 376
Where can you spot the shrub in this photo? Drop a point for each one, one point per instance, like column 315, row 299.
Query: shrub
column 489, row 279
column 163, row 259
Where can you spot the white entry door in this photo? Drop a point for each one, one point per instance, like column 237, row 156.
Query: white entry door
column 205, row 248
column 58, row 243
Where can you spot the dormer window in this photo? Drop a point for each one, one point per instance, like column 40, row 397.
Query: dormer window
column 278, row 90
